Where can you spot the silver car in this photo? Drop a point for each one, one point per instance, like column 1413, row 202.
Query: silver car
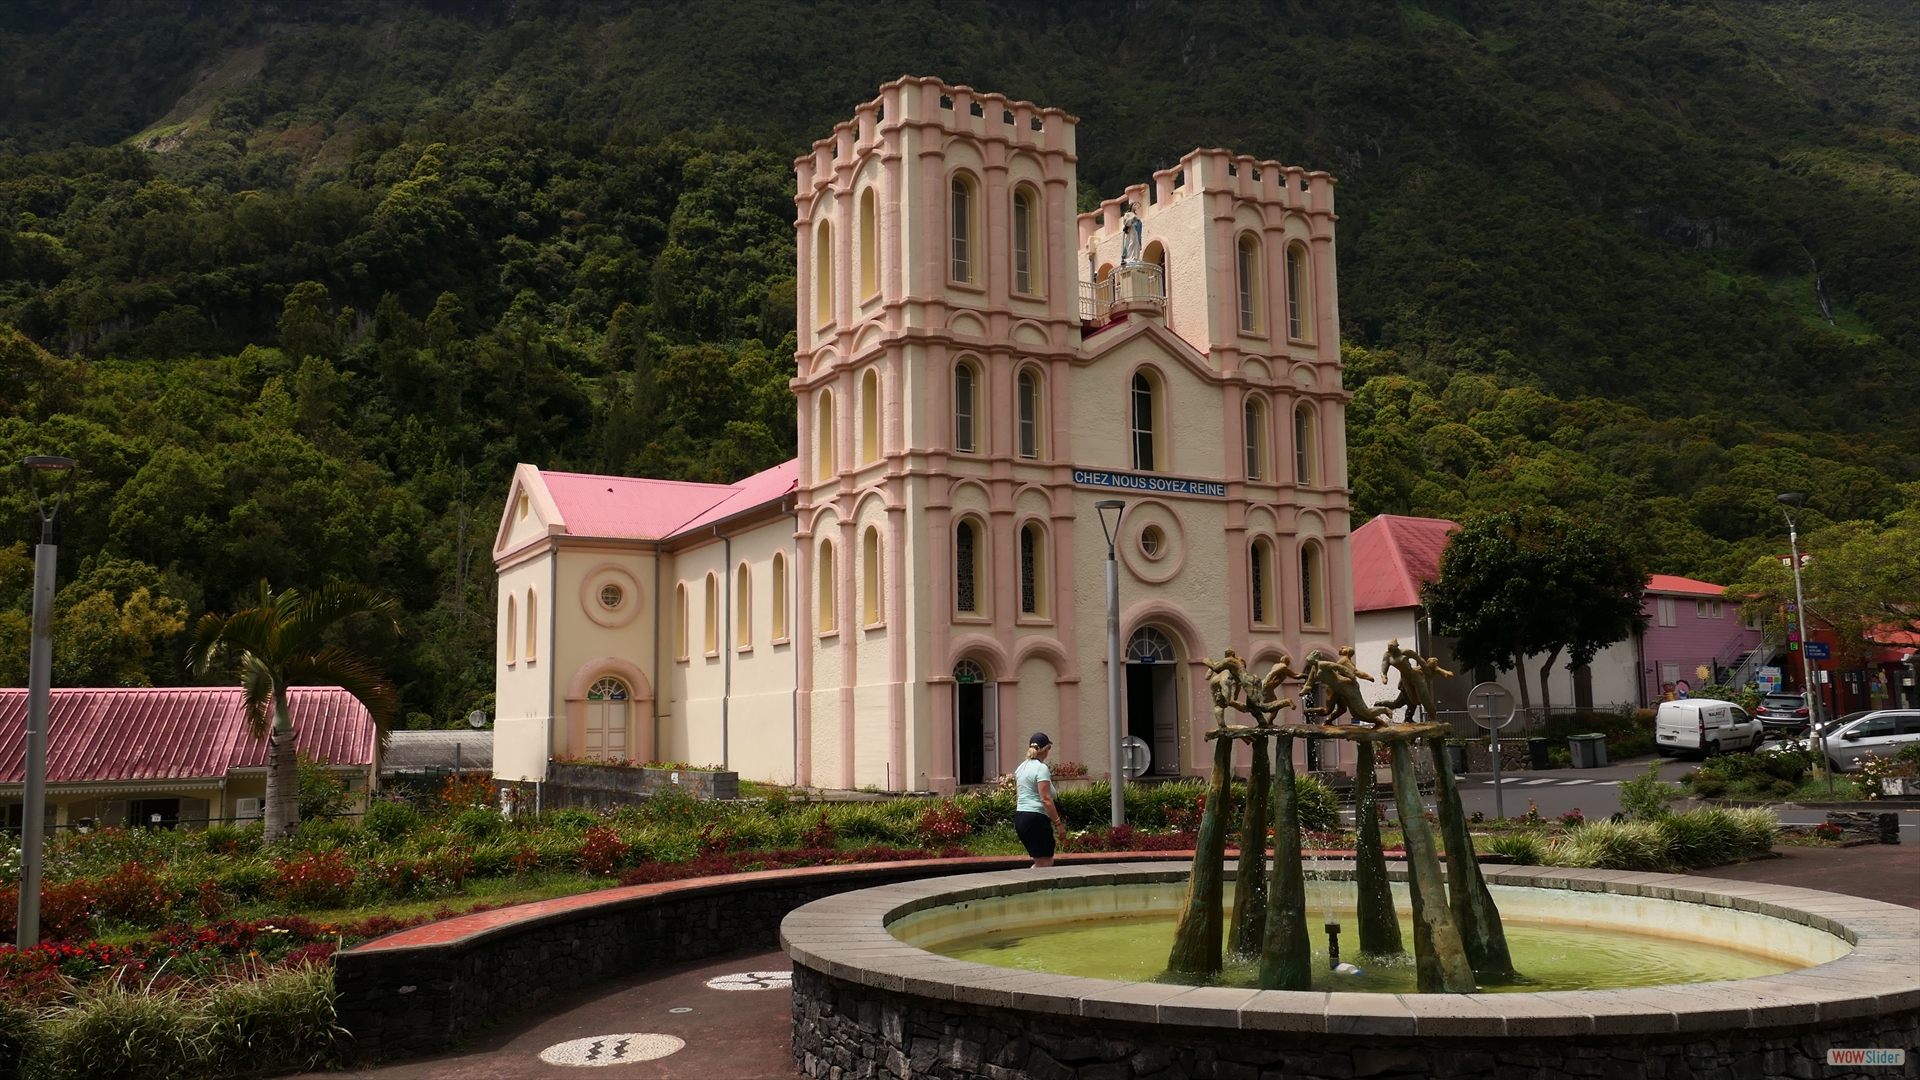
column 1883, row 733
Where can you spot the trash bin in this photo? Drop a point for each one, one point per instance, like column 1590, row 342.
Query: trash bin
column 1589, row 751
column 1457, row 757
column 1537, row 758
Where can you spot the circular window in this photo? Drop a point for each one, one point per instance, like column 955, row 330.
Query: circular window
column 611, row 595
column 1152, row 541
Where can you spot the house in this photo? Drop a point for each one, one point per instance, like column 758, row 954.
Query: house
column 436, row 753
column 978, row 367
column 1695, row 636
column 175, row 755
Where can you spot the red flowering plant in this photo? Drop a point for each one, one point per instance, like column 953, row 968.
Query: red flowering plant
column 602, row 851
column 133, row 895
column 943, row 824
column 65, row 911
column 819, row 834
column 315, row 879
column 467, row 792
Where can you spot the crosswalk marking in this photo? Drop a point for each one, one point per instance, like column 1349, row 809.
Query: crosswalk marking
column 1570, row 783
column 1553, row 780
column 1537, row 783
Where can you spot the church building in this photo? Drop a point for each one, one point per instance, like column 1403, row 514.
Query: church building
column 923, row 586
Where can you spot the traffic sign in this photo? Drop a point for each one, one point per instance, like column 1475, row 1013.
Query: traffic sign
column 1135, row 756
column 1490, row 705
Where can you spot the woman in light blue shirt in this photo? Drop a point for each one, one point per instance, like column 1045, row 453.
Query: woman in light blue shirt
column 1035, row 818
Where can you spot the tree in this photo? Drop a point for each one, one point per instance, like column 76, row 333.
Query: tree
column 282, row 643
column 1860, row 578
column 1530, row 582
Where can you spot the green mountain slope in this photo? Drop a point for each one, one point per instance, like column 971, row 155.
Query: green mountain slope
column 1578, row 255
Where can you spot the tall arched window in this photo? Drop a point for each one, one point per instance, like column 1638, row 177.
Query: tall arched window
column 1024, row 216
column 533, row 625
column 829, row 594
column 1156, row 255
column 1256, row 433
column 1313, row 586
column 1027, row 390
column 1297, row 292
column 1249, row 252
column 1142, row 414
column 606, row 726
column 743, row 607
column 869, row 417
column 870, row 607
column 1033, row 570
column 682, row 617
column 869, row 245
column 966, row 561
column 965, row 401
column 962, row 222
column 513, row 629
column 1261, row 580
column 712, row 629
column 1306, row 446
column 823, row 274
column 823, row 437
column 779, row 596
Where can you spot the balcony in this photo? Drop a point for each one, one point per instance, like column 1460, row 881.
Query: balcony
column 1136, row 287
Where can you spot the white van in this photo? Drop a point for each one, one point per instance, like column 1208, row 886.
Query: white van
column 1705, row 727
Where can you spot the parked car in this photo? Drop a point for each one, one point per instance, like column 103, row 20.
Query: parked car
column 1882, row 732
column 1784, row 714
column 1704, row 726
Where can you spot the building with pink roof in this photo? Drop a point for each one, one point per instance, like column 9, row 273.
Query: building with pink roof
column 977, row 365
column 123, row 755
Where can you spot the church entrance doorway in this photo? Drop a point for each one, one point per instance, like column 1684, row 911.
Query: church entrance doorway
column 976, row 710
column 1153, row 698
column 606, row 732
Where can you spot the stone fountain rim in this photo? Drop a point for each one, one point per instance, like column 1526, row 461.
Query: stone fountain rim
column 846, row 937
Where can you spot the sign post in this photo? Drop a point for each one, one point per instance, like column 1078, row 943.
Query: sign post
column 1491, row 706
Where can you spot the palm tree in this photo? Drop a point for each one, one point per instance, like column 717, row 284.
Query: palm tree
column 279, row 643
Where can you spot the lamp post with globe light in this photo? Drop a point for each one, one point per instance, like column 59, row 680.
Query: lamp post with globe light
column 1795, row 498
column 59, row 473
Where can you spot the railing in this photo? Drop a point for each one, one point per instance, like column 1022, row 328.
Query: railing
column 1134, row 283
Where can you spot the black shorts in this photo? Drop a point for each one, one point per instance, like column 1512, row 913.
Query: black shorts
column 1036, row 832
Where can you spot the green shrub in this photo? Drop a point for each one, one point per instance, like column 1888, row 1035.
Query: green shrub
column 492, row 859
column 1702, row 838
column 1081, row 809
column 230, row 839
column 19, row 1038
column 322, row 795
column 1645, row 797
column 573, row 818
column 995, row 808
column 244, row 881
column 1524, row 849
column 873, row 822
column 1705, row 784
column 390, row 819
column 1759, row 827
column 285, row 1021
column 1612, row 845
column 324, row 834
column 115, row 1032
column 477, row 824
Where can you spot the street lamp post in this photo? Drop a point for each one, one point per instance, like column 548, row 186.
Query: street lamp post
column 1116, row 768
column 39, row 678
column 1795, row 498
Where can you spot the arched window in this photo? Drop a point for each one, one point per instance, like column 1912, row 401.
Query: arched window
column 606, row 728
column 513, row 629
column 869, row 417
column 743, row 607
column 1142, row 415
column 1156, row 255
column 779, row 596
column 829, row 593
column 823, row 433
column 823, row 274
column 533, row 625
column 682, row 617
column 523, row 507
column 869, row 245
column 1256, row 433
column 1024, row 216
column 966, row 564
column 1249, row 265
column 1261, row 580
column 1313, row 601
column 1297, row 292
column 712, row 629
column 1027, row 391
column 1149, row 645
column 1306, row 446
column 963, row 230
column 870, row 607
column 964, row 401
column 1033, row 570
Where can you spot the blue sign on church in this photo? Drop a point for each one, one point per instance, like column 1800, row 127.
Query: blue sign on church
column 1160, row 485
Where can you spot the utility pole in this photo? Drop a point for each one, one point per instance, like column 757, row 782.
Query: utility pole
column 33, row 802
column 1795, row 498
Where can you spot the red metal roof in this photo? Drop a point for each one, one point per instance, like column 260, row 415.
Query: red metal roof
column 175, row 733
column 640, row 509
column 1684, row 586
column 1392, row 556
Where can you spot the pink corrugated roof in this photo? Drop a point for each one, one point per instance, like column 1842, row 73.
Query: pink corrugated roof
column 640, row 509
column 174, row 733
column 1392, row 556
column 1686, row 586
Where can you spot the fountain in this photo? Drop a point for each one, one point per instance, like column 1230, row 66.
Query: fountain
column 1166, row 969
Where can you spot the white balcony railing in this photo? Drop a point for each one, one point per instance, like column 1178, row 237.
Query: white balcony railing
column 1134, row 284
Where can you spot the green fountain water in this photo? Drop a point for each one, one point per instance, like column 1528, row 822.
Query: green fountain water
column 1554, row 955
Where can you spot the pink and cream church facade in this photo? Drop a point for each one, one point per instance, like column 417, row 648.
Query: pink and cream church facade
column 922, row 587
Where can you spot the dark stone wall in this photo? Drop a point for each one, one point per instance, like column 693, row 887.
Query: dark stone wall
column 843, row 1031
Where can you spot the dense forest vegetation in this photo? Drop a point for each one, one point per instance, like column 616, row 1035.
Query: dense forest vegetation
column 299, row 283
